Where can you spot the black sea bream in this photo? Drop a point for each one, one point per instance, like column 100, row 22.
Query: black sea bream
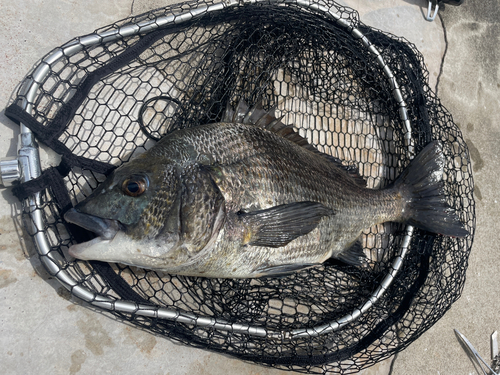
column 249, row 197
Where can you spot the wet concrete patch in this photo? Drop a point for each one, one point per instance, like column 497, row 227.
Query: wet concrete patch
column 6, row 278
column 96, row 337
column 77, row 359
column 478, row 162
column 144, row 341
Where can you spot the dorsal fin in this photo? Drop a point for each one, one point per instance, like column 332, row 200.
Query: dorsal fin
column 266, row 119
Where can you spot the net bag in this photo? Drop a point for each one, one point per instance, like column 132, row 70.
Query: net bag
column 355, row 93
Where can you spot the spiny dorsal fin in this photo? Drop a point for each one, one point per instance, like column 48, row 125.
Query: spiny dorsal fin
column 266, row 119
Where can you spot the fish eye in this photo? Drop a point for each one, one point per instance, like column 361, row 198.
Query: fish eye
column 135, row 186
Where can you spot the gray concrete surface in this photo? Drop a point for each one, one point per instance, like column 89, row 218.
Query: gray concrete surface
column 42, row 331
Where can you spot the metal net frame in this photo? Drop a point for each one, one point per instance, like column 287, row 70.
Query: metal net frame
column 355, row 93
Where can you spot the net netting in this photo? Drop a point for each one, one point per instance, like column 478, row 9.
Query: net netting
column 358, row 94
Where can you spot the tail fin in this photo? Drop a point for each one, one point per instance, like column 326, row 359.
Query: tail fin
column 422, row 186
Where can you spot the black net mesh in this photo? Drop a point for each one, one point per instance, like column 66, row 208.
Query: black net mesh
column 107, row 97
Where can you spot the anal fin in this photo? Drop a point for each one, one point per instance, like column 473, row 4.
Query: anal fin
column 353, row 255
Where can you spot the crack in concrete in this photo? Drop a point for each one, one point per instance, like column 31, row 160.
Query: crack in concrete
column 444, row 54
column 132, row 7
column 391, row 369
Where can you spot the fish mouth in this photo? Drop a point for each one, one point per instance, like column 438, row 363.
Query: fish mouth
column 106, row 229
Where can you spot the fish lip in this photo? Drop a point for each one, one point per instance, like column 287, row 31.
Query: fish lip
column 79, row 250
column 106, row 229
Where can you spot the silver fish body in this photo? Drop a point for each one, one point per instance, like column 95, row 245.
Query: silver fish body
column 248, row 197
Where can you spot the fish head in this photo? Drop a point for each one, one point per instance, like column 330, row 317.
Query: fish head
column 134, row 214
column 154, row 214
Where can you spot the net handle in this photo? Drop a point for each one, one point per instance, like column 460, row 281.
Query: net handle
column 30, row 165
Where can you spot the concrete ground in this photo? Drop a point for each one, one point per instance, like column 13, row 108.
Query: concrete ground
column 43, row 332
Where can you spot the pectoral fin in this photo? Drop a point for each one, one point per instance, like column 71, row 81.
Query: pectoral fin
column 277, row 226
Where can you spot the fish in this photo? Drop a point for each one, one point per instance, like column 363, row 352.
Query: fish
column 248, row 197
